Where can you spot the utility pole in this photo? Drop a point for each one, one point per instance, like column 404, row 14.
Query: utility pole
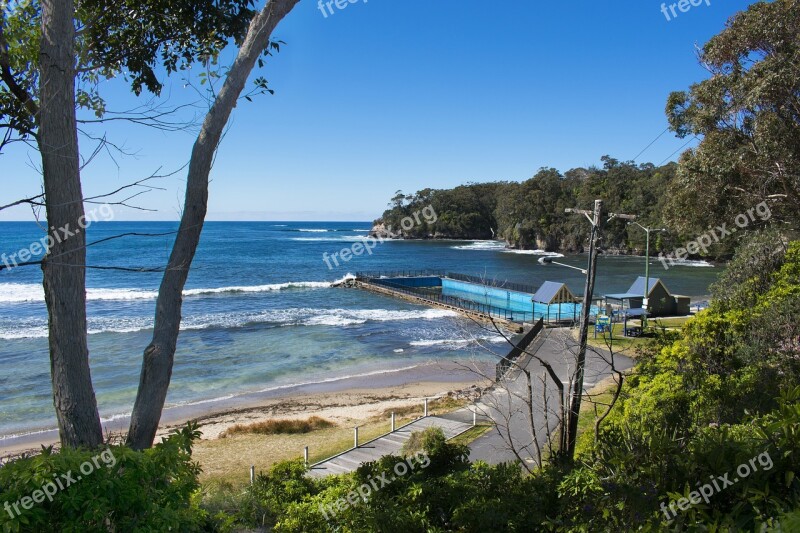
column 596, row 219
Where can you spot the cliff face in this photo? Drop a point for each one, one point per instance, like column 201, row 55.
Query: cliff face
column 382, row 231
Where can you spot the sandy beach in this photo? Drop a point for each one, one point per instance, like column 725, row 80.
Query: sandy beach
column 346, row 402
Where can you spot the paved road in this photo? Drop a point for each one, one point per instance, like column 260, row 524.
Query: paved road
column 386, row 445
column 505, row 403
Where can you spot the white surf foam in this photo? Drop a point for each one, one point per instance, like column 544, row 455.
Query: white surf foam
column 456, row 343
column 260, row 288
column 341, row 238
column 535, row 252
column 20, row 292
column 482, row 246
column 28, row 292
column 279, row 317
column 690, row 263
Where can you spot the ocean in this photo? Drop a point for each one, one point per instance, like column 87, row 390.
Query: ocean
column 259, row 314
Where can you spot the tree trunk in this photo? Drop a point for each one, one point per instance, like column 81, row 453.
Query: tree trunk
column 160, row 354
column 64, row 265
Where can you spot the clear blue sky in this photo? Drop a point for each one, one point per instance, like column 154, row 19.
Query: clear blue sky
column 389, row 94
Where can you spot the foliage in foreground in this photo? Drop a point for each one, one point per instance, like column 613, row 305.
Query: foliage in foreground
column 125, row 490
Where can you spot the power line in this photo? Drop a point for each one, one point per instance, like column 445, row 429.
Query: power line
column 651, row 144
column 678, row 150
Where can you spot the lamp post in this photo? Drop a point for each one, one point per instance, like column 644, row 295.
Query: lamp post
column 645, row 300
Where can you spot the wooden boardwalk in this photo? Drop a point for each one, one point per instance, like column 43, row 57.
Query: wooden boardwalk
column 386, row 445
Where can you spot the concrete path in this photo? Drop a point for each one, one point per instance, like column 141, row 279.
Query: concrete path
column 504, row 403
column 387, row 445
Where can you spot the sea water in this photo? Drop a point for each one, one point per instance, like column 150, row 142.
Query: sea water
column 258, row 312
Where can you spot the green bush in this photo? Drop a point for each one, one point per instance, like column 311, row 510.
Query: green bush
column 423, row 440
column 119, row 490
column 280, row 426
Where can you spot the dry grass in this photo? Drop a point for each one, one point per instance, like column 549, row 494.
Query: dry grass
column 228, row 460
column 279, row 427
column 441, row 405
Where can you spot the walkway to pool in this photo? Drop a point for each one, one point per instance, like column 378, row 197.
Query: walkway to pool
column 389, row 444
column 511, row 303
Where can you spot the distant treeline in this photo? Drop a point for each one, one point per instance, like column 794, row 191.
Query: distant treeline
column 530, row 215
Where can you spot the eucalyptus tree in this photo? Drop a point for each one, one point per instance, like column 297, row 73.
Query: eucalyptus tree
column 747, row 114
column 53, row 57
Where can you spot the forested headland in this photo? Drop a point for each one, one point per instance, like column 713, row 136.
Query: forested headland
column 530, row 214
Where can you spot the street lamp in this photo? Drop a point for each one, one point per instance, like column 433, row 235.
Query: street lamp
column 645, row 300
column 548, row 261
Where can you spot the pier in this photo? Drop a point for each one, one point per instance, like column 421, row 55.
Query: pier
column 512, row 305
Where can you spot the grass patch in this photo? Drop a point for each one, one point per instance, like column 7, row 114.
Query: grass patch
column 618, row 341
column 279, row 427
column 602, row 395
column 628, row 345
column 669, row 322
column 472, row 434
column 588, row 416
column 226, row 462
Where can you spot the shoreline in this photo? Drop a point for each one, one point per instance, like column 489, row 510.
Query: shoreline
column 359, row 396
column 613, row 252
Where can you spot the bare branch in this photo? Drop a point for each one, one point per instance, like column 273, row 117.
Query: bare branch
column 33, row 200
column 151, row 116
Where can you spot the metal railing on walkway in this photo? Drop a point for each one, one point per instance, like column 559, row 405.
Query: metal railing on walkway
column 505, row 363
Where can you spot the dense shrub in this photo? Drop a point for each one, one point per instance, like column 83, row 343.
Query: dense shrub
column 422, row 440
column 284, row 426
column 119, row 490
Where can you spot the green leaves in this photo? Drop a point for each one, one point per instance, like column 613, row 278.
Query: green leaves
column 748, row 113
column 136, row 491
column 137, row 38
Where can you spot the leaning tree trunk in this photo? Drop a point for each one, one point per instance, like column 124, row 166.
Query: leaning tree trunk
column 160, row 354
column 64, row 265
